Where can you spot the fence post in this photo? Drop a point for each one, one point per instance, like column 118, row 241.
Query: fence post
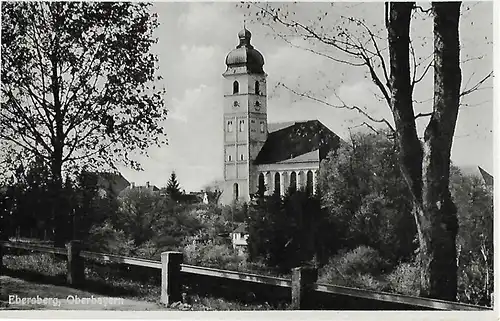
column 76, row 268
column 303, row 279
column 171, row 277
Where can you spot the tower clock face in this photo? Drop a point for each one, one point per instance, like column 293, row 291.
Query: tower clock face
column 257, row 106
column 236, row 104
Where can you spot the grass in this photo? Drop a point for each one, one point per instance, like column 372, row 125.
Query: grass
column 113, row 280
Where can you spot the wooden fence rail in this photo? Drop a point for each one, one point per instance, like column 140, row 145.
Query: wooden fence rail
column 304, row 289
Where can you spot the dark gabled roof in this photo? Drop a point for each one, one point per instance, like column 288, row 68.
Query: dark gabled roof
column 242, row 228
column 113, row 182
column 272, row 127
column 297, row 139
column 488, row 179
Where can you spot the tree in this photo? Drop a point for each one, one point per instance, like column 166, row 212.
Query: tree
column 475, row 238
column 393, row 68
column 138, row 213
column 284, row 233
column 173, row 189
column 214, row 191
column 366, row 197
column 77, row 85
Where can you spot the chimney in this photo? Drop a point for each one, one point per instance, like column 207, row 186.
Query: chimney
column 132, row 185
column 147, row 184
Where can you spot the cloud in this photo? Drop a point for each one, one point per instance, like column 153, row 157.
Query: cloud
column 209, row 21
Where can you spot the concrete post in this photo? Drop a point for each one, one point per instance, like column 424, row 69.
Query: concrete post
column 303, row 279
column 76, row 267
column 171, row 277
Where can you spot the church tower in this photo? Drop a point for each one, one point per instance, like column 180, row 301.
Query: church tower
column 245, row 119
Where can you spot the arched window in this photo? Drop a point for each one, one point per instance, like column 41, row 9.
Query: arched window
column 277, row 185
column 242, row 157
column 257, row 88
column 293, row 182
column 242, row 125
column 229, row 158
column 230, row 126
column 262, row 127
column 236, row 87
column 309, row 184
column 302, row 180
column 235, row 192
column 262, row 184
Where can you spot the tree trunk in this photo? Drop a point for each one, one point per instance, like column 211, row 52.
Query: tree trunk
column 438, row 258
column 60, row 217
column 426, row 169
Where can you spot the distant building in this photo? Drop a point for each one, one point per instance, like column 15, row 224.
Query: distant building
column 239, row 237
column 258, row 154
column 111, row 184
column 147, row 187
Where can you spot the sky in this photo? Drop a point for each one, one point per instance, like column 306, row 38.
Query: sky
column 194, row 39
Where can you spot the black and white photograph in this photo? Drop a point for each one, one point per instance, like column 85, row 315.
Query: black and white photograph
column 180, row 157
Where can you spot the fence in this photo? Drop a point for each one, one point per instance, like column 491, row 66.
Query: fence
column 301, row 290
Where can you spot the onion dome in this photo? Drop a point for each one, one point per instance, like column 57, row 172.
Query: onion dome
column 245, row 55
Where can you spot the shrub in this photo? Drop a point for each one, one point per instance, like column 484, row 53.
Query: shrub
column 359, row 268
column 213, row 255
column 405, row 279
column 43, row 263
column 106, row 239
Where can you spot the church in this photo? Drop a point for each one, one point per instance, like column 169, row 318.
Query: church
column 257, row 154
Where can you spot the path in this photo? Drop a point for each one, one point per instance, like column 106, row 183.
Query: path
column 53, row 297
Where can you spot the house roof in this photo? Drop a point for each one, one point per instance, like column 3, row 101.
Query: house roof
column 242, row 228
column 297, row 141
column 114, row 182
column 487, row 177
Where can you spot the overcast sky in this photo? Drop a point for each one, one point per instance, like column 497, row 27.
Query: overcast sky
column 194, row 39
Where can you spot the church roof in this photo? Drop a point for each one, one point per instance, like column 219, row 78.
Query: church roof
column 307, row 157
column 272, row 127
column 300, row 141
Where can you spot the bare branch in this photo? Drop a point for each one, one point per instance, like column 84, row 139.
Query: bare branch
column 426, row 70
column 343, row 106
column 321, row 54
column 476, row 86
column 423, row 115
column 364, row 124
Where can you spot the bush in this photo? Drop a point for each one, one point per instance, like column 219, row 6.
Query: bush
column 43, row 263
column 106, row 239
column 472, row 285
column 213, row 255
column 405, row 279
column 359, row 268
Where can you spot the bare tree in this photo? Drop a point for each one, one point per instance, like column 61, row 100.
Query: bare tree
column 395, row 69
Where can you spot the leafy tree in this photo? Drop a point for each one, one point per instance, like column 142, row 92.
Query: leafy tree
column 475, row 238
column 28, row 201
column 214, row 191
column 138, row 214
column 77, row 85
column 173, row 189
column 392, row 65
column 283, row 233
column 366, row 197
